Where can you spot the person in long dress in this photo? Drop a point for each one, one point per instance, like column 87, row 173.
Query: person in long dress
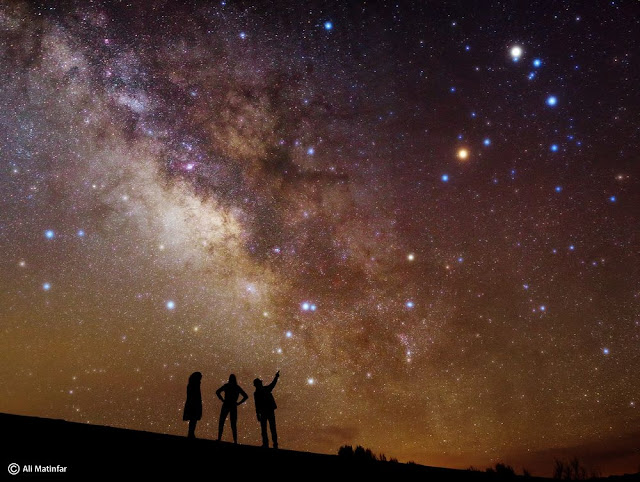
column 193, row 405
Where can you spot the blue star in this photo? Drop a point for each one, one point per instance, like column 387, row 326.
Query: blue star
column 243, row 35
column 80, row 233
column 487, row 142
column 612, row 199
column 525, row 286
column 171, row 305
column 558, row 188
column 605, row 351
column 305, row 306
column 49, row 234
column 467, row 48
column 445, row 178
column 46, row 286
column 452, row 89
column 572, row 248
column 537, row 63
column 328, row 25
column 554, row 147
column 409, row 304
column 552, row 101
column 531, row 76
column 460, row 259
column 543, row 308
column 311, row 151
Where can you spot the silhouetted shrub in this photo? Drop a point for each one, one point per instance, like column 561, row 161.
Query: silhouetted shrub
column 346, row 451
column 501, row 470
column 505, row 470
column 572, row 470
column 362, row 454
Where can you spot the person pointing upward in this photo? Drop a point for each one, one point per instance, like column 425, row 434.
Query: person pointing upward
column 265, row 409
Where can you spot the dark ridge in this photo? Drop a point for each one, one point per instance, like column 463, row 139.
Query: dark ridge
column 94, row 452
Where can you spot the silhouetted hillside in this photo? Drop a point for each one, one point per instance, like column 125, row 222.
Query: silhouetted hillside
column 91, row 452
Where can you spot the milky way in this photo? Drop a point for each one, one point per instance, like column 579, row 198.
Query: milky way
column 424, row 215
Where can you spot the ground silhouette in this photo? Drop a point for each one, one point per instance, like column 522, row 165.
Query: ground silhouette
column 93, row 452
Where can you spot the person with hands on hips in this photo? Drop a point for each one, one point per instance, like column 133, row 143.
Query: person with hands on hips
column 230, row 405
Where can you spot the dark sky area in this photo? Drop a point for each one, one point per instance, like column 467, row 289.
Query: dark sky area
column 425, row 214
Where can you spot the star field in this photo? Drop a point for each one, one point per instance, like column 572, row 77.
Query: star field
column 425, row 215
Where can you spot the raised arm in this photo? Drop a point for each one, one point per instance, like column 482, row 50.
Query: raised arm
column 244, row 396
column 219, row 391
column 273, row 383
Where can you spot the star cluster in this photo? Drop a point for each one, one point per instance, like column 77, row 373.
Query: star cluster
column 423, row 214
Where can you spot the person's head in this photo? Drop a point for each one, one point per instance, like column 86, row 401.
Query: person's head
column 257, row 383
column 195, row 377
column 232, row 379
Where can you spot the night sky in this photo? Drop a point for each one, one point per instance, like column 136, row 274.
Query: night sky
column 424, row 214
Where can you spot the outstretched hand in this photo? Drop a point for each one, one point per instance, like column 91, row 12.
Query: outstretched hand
column 278, row 373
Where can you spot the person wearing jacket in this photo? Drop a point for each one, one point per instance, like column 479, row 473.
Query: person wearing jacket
column 265, row 409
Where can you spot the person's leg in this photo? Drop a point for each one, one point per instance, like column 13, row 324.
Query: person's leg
column 192, row 428
column 272, row 426
column 223, row 417
column 263, row 426
column 234, row 421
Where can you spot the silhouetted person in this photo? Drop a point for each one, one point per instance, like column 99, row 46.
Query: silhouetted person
column 230, row 405
column 265, row 409
column 193, row 405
